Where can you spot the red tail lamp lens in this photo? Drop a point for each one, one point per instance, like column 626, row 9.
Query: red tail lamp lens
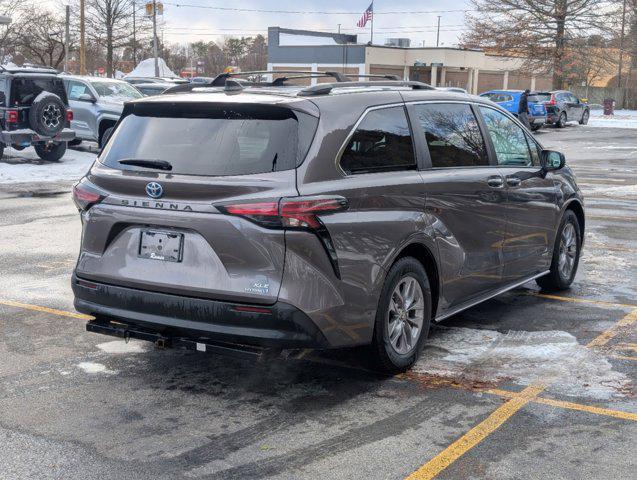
column 12, row 116
column 69, row 115
column 84, row 197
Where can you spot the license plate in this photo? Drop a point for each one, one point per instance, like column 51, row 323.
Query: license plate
column 165, row 246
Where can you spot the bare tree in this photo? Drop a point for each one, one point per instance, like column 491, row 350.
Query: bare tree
column 109, row 23
column 7, row 32
column 539, row 31
column 40, row 36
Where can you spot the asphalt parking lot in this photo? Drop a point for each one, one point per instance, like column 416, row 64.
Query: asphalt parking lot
column 527, row 385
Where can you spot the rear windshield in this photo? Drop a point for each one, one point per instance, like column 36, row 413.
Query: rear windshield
column 540, row 97
column 24, row 90
column 223, row 140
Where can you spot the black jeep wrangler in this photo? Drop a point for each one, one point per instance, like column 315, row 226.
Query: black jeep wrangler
column 34, row 111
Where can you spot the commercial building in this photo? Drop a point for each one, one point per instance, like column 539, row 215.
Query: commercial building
column 473, row 70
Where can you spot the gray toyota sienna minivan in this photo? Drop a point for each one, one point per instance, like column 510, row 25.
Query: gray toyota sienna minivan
column 334, row 215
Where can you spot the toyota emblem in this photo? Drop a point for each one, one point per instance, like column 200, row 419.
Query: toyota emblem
column 154, row 190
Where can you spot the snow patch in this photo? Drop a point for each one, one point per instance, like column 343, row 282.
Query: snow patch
column 92, row 367
column 551, row 357
column 120, row 347
column 621, row 119
column 611, row 190
column 146, row 68
column 25, row 166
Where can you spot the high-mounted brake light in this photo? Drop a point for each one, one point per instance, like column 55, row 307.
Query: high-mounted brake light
column 12, row 116
column 69, row 115
column 85, row 197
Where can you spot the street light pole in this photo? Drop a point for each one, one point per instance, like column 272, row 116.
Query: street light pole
column 134, row 35
column 155, row 38
column 82, row 40
column 67, row 37
column 438, row 33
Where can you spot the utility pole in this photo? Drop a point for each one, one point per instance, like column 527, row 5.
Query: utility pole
column 339, row 28
column 134, row 35
column 438, row 33
column 155, row 38
column 82, row 40
column 621, row 46
column 67, row 38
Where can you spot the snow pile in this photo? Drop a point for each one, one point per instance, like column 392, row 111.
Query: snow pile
column 146, row 68
column 621, row 119
column 551, row 357
column 119, row 347
column 25, row 166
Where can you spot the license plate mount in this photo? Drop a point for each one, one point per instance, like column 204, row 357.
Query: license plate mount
column 161, row 245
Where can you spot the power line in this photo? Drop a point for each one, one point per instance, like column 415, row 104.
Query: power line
column 314, row 12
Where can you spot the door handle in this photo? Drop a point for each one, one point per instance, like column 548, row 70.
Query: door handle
column 513, row 181
column 495, row 182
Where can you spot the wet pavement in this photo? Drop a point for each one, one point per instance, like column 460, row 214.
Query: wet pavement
column 526, row 385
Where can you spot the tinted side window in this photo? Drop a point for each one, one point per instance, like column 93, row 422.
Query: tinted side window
column 382, row 142
column 509, row 140
column 452, row 135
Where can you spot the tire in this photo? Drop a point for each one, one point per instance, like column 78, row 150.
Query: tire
column 105, row 136
column 47, row 115
column 535, row 128
column 51, row 152
column 397, row 351
column 75, row 142
column 585, row 116
column 561, row 122
column 1, row 150
column 560, row 278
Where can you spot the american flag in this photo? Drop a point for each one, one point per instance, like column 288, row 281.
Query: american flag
column 367, row 16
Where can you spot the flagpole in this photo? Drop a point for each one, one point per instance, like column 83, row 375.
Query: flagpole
column 371, row 38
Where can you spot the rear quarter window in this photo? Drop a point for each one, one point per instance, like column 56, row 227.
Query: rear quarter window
column 212, row 140
column 25, row 89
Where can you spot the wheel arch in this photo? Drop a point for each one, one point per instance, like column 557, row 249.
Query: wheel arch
column 425, row 256
column 578, row 209
column 104, row 124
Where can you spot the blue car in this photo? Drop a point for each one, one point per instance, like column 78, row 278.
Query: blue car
column 510, row 100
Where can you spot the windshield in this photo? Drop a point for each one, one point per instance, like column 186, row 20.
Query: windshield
column 540, row 97
column 116, row 90
column 225, row 142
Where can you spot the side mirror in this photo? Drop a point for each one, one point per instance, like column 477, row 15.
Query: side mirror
column 86, row 97
column 552, row 160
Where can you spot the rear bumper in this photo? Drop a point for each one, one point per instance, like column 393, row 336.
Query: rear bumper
column 172, row 316
column 25, row 135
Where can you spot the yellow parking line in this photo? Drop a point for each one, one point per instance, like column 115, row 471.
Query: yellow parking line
column 37, row 308
column 624, row 357
column 517, row 400
column 605, row 337
column 478, row 433
column 569, row 405
column 581, row 300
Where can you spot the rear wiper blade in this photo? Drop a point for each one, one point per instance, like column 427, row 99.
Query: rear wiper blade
column 158, row 164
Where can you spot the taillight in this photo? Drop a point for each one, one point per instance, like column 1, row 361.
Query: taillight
column 12, row 116
column 552, row 101
column 85, row 197
column 298, row 213
column 69, row 115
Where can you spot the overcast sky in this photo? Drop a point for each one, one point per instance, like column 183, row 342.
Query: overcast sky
column 187, row 23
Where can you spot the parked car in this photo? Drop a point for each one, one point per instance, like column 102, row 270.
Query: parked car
column 149, row 89
column 173, row 80
column 97, row 104
column 563, row 106
column 34, row 111
column 341, row 214
column 510, row 100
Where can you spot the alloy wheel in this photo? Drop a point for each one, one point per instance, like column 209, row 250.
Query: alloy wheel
column 568, row 251
column 405, row 315
column 51, row 115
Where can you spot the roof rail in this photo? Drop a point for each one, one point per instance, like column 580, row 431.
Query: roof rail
column 326, row 88
column 220, row 79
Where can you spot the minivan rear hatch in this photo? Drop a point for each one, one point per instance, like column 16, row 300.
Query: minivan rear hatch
column 165, row 176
